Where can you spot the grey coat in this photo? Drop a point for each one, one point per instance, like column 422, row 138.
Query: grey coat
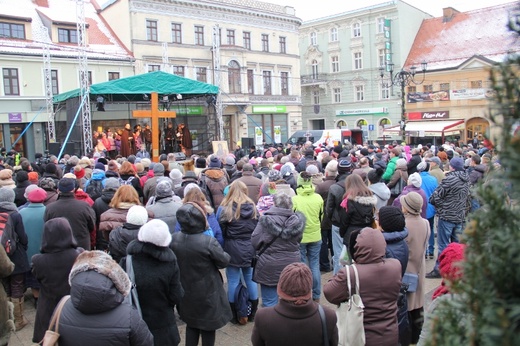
column 284, row 250
column 166, row 210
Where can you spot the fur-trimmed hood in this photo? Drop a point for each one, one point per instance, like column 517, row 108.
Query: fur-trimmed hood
column 97, row 283
column 366, row 200
column 276, row 220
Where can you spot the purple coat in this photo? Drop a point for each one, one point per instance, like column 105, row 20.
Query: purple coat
column 407, row 189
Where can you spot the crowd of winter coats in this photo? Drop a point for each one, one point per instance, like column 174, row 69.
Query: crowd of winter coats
column 181, row 223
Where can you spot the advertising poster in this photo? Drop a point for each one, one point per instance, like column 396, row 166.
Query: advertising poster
column 259, row 136
column 194, row 138
column 278, row 134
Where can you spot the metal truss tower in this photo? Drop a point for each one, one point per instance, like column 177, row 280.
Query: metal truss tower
column 165, row 58
column 51, row 129
column 83, row 77
column 217, row 81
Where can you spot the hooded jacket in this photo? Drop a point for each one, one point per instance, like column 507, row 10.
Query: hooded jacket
column 52, row 267
column 165, row 209
column 390, row 168
column 382, row 193
column 237, row 235
column 379, row 284
column 97, row 312
column 119, row 239
column 396, row 247
column 205, row 304
column 253, row 185
column 358, row 214
column 158, row 283
column 334, row 198
column 451, row 197
column 429, row 184
column 477, row 174
column 310, row 204
column 287, row 227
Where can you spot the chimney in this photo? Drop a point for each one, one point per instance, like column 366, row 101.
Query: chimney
column 448, row 13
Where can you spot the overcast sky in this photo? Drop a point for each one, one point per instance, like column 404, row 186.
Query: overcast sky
column 308, row 9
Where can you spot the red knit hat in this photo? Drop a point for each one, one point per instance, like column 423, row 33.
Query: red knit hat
column 79, row 172
column 33, row 177
column 449, row 266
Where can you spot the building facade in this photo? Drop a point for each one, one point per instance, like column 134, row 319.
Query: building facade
column 340, row 60
column 248, row 48
column 461, row 48
column 24, row 31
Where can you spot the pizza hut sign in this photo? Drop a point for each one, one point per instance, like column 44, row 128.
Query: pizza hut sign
column 428, row 115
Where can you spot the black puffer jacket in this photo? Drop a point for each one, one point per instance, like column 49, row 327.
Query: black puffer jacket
column 19, row 257
column 359, row 214
column 334, row 198
column 158, row 282
column 97, row 312
column 284, row 250
column 237, row 236
column 120, row 237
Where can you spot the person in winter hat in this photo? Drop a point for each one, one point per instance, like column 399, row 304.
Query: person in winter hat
column 50, row 187
column 122, row 235
column 294, row 311
column 51, row 268
column 97, row 309
column 157, row 280
column 310, row 204
column 204, row 306
column 414, row 185
column 164, row 205
column 14, row 284
column 6, row 178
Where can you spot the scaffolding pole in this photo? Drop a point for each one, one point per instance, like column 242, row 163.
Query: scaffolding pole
column 165, row 58
column 51, row 129
column 84, row 84
column 217, row 81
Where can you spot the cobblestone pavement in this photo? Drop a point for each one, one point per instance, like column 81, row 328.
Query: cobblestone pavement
column 229, row 335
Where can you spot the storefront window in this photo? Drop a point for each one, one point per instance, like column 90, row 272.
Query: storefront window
column 15, row 131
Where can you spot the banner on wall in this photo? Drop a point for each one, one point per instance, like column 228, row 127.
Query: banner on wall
column 278, row 134
column 259, row 136
column 194, row 138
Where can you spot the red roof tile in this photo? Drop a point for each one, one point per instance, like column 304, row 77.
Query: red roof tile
column 95, row 35
column 447, row 44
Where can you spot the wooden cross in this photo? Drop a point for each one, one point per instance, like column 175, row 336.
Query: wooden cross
column 154, row 114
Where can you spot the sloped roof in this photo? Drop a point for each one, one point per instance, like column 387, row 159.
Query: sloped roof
column 132, row 88
column 102, row 42
column 447, row 44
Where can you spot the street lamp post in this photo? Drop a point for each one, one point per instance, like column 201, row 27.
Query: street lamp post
column 402, row 78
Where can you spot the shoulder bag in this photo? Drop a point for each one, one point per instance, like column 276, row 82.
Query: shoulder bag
column 398, row 187
column 134, row 298
column 323, row 326
column 255, row 258
column 351, row 331
column 52, row 334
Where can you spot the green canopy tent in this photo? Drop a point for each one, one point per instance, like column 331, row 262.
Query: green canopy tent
column 135, row 87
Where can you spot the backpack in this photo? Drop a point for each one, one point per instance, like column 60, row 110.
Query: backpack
column 126, row 182
column 8, row 237
column 242, row 303
column 94, row 189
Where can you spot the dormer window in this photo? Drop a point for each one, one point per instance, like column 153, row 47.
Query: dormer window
column 12, row 30
column 67, row 35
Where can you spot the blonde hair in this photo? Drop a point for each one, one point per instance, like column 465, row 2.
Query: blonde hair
column 197, row 196
column 232, row 203
column 124, row 194
column 356, row 187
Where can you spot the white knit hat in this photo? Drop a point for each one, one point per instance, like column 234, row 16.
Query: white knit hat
column 155, row 232
column 137, row 215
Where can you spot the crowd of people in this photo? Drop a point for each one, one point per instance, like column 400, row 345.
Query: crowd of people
column 294, row 212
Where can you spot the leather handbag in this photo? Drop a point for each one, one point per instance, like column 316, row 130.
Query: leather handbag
column 52, row 334
column 398, row 187
column 412, row 280
column 351, row 331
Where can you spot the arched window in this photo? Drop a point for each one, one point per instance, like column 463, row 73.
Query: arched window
column 383, row 123
column 341, row 123
column 234, row 77
column 314, row 67
column 360, row 123
column 356, row 30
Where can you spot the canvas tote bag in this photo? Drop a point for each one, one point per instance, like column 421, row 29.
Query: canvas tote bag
column 350, row 315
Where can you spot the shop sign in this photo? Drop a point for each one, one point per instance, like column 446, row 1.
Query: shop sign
column 428, row 115
column 376, row 110
column 269, row 109
column 471, row 94
column 428, row 96
column 15, row 117
column 188, row 110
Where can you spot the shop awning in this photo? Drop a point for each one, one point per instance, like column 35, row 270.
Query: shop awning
column 430, row 128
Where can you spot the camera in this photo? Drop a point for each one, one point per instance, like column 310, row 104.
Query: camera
column 43, row 159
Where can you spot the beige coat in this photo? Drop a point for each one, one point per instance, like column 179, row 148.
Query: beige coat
column 417, row 240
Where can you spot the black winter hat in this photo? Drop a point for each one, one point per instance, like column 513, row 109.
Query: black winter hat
column 191, row 218
column 391, row 219
column 50, row 168
column 22, row 176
